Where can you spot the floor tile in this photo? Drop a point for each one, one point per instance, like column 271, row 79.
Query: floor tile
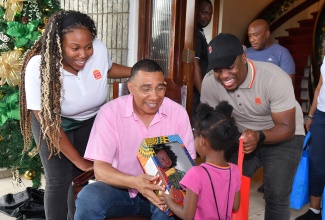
column 256, row 206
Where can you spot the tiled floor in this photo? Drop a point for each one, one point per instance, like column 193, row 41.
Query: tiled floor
column 256, row 205
column 256, row 209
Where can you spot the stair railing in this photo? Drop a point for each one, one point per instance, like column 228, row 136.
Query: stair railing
column 274, row 9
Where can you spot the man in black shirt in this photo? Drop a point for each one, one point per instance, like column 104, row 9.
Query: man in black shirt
column 201, row 51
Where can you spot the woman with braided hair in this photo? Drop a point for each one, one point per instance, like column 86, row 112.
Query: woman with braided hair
column 63, row 85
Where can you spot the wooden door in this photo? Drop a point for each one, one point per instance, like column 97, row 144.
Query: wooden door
column 166, row 35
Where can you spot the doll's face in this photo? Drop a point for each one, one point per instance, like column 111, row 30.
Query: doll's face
column 164, row 159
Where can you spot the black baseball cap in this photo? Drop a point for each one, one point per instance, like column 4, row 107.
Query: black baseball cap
column 223, row 51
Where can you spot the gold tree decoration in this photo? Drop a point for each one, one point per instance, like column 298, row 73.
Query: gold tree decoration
column 10, row 67
column 12, row 7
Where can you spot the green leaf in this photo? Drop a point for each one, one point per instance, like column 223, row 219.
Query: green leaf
column 21, row 42
column 31, row 26
column 35, row 35
column 16, row 29
column 2, row 12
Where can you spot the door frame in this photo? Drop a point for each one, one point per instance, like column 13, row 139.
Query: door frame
column 182, row 43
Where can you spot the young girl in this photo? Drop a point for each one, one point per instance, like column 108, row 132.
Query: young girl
column 212, row 189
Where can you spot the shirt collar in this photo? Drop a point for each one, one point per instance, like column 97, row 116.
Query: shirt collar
column 129, row 106
column 250, row 78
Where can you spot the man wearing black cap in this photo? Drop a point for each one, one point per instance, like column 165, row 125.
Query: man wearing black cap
column 268, row 116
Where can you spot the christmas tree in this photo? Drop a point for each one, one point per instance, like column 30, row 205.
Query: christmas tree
column 21, row 24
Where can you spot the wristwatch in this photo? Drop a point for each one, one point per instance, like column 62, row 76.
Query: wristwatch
column 310, row 116
column 261, row 137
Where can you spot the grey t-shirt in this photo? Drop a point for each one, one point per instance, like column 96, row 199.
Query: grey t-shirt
column 266, row 89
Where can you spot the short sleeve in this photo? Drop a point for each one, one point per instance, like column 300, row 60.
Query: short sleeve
column 237, row 177
column 287, row 63
column 33, row 83
column 188, row 181
column 198, row 46
column 209, row 90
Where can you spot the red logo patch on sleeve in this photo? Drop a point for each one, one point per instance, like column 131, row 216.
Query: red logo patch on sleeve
column 258, row 101
column 97, row 74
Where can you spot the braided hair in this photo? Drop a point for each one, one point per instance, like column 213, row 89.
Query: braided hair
column 216, row 125
column 49, row 47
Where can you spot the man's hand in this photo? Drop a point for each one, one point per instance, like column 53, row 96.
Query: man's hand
column 145, row 185
column 250, row 140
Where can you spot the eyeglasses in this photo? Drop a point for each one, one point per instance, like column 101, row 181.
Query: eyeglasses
column 146, row 90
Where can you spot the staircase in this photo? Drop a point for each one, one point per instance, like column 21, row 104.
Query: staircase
column 300, row 44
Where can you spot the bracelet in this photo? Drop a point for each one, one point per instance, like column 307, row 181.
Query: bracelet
column 310, row 116
column 261, row 137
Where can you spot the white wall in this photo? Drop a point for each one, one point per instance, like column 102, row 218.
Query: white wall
column 133, row 33
column 235, row 15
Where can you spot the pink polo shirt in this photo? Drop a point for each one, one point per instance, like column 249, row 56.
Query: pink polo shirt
column 117, row 132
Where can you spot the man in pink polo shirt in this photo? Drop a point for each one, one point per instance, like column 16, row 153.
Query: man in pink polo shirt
column 122, row 188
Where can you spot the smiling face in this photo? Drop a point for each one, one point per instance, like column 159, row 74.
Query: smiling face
column 77, row 47
column 164, row 160
column 148, row 92
column 233, row 76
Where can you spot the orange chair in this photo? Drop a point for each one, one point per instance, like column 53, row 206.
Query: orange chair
column 173, row 91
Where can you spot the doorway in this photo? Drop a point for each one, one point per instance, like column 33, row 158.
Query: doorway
column 167, row 35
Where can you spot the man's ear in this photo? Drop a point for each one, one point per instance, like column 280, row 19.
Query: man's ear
column 267, row 34
column 244, row 57
column 129, row 84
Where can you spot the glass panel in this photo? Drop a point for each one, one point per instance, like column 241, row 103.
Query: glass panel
column 160, row 33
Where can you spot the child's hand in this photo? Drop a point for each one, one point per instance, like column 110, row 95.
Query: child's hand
column 162, row 195
column 166, row 196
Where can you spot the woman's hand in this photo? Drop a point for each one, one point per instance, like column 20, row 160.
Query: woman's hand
column 84, row 164
column 308, row 123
